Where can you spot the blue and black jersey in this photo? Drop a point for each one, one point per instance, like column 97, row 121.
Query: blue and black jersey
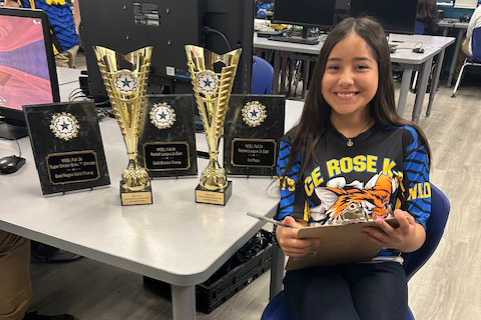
column 61, row 22
column 386, row 168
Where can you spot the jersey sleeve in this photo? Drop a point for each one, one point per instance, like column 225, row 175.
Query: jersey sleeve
column 416, row 185
column 292, row 195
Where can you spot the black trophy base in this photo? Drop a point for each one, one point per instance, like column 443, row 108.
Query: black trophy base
column 219, row 197
column 132, row 198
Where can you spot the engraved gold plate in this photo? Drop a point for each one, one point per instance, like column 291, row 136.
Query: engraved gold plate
column 64, row 126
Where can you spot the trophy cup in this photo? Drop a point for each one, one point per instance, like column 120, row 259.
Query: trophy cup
column 125, row 79
column 212, row 92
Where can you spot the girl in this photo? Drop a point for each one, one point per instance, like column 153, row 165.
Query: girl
column 352, row 156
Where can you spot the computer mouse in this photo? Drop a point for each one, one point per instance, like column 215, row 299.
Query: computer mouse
column 11, row 164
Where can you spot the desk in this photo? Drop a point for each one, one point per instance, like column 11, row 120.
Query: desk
column 462, row 26
column 174, row 240
column 433, row 46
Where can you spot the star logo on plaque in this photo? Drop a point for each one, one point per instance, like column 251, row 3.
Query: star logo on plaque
column 64, row 126
column 162, row 115
column 125, row 82
column 254, row 113
column 207, row 82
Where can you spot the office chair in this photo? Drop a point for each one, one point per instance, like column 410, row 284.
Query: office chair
column 262, row 76
column 474, row 61
column 419, row 27
column 277, row 310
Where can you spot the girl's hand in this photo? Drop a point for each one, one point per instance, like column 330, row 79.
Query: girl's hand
column 408, row 237
column 286, row 237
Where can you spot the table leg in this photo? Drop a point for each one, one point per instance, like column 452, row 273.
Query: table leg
column 421, row 91
column 277, row 71
column 183, row 302
column 277, row 271
column 434, row 84
column 445, row 31
column 283, row 72
column 459, row 39
column 403, row 94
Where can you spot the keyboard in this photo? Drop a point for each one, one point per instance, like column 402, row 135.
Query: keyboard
column 310, row 41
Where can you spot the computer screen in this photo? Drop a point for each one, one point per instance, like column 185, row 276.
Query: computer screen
column 317, row 13
column 394, row 15
column 27, row 66
column 469, row 4
column 445, row 2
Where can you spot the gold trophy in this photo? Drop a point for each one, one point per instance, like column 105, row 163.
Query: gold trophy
column 212, row 92
column 125, row 79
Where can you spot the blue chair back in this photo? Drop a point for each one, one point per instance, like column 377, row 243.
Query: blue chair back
column 262, row 76
column 476, row 44
column 435, row 225
column 277, row 310
column 419, row 27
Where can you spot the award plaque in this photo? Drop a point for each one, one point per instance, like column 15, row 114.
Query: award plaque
column 212, row 92
column 125, row 79
column 167, row 145
column 67, row 146
column 254, row 126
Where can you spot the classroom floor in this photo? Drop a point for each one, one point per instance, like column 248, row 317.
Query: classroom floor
column 446, row 288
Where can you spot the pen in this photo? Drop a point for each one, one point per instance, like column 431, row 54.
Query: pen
column 275, row 222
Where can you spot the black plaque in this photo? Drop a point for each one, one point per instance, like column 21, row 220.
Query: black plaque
column 253, row 128
column 67, row 146
column 167, row 147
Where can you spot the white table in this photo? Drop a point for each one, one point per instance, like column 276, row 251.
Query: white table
column 433, row 46
column 174, row 240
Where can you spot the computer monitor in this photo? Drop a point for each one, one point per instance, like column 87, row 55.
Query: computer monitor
column 127, row 25
column 445, row 2
column 394, row 15
column 27, row 67
column 235, row 19
column 466, row 4
column 306, row 13
column 167, row 25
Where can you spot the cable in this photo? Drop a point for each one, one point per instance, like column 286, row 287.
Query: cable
column 19, row 149
column 223, row 36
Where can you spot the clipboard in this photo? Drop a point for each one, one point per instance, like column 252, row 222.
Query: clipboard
column 339, row 244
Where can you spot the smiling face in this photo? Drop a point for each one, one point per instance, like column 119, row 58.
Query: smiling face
column 350, row 79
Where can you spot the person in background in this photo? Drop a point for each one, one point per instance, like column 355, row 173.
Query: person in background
column 427, row 13
column 64, row 32
column 15, row 282
column 466, row 47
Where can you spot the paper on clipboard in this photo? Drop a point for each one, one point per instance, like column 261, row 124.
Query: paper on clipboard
column 339, row 244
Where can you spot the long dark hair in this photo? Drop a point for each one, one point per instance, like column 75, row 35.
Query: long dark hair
column 428, row 14
column 315, row 117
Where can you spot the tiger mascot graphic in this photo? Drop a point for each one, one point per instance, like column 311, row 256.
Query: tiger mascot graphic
column 355, row 201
